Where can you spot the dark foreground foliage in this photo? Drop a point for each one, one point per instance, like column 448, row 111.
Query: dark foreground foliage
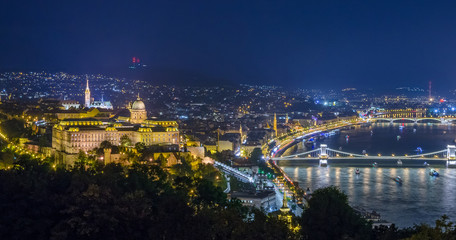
column 38, row 201
column 330, row 217
column 115, row 202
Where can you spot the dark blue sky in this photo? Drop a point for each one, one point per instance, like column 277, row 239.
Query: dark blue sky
column 293, row 43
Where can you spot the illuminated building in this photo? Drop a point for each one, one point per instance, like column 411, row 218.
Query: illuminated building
column 261, row 199
column 275, row 125
column 101, row 104
column 71, row 135
column 67, row 104
column 89, row 113
column 95, row 104
column 87, row 95
column 138, row 111
column 285, row 213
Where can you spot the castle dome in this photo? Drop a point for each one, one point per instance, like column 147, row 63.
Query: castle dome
column 138, row 104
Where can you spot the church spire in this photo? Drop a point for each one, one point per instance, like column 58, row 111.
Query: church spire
column 284, row 207
column 87, row 94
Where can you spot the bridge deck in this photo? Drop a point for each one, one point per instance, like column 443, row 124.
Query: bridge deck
column 362, row 158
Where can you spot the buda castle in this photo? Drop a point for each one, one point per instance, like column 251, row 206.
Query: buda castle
column 71, row 135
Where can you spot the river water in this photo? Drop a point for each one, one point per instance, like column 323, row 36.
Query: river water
column 420, row 199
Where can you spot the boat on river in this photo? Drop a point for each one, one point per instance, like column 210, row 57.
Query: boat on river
column 357, row 172
column 433, row 173
column 398, row 179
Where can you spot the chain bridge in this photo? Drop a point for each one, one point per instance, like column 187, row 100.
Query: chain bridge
column 414, row 120
column 324, row 154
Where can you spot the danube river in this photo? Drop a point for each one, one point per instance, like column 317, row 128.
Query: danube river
column 421, row 198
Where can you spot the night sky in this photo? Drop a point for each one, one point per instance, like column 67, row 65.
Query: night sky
column 290, row 43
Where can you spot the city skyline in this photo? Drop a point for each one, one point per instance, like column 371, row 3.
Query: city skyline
column 227, row 120
column 302, row 44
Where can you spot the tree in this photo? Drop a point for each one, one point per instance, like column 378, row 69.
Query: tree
column 81, row 161
column 383, row 232
column 6, row 159
column 330, row 217
column 125, row 141
column 161, row 160
column 224, row 156
column 13, row 128
column 255, row 156
column 209, row 193
column 138, row 201
column 443, row 229
column 105, row 144
column 140, row 146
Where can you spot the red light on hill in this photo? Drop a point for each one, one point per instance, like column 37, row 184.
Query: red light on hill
column 442, row 100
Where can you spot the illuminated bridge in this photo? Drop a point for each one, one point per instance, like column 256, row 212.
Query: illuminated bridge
column 414, row 120
column 323, row 154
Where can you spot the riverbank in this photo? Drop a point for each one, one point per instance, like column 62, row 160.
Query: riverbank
column 282, row 181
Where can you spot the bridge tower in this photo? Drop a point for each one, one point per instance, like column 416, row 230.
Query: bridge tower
column 323, row 155
column 451, row 155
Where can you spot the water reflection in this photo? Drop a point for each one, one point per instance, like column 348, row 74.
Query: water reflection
column 379, row 178
column 406, row 174
column 421, row 198
column 337, row 177
column 366, row 180
column 308, row 174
